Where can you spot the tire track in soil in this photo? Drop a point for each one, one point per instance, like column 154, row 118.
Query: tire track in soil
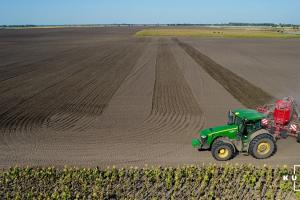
column 175, row 111
column 248, row 94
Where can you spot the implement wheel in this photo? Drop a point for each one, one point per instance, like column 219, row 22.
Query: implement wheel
column 262, row 146
column 298, row 137
column 222, row 151
column 284, row 134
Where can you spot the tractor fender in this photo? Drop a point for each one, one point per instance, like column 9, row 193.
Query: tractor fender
column 259, row 132
column 226, row 140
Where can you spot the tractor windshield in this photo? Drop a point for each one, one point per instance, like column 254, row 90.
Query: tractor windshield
column 233, row 119
column 238, row 121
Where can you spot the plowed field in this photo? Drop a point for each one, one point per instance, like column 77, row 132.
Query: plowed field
column 102, row 96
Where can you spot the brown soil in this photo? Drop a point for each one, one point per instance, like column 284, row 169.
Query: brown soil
column 247, row 93
column 270, row 64
column 100, row 96
column 59, row 91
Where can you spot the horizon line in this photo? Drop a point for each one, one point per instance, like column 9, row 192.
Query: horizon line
column 229, row 23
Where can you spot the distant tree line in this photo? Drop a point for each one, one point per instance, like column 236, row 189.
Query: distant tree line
column 9, row 26
column 239, row 24
column 175, row 24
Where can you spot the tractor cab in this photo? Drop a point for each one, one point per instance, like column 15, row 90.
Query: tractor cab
column 247, row 121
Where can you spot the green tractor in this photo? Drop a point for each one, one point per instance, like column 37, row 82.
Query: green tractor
column 243, row 133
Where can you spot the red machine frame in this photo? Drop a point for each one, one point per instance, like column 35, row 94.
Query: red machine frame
column 282, row 118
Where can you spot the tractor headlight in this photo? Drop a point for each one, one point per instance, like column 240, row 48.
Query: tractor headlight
column 203, row 139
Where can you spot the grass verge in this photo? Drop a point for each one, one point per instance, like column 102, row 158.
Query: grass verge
column 218, row 33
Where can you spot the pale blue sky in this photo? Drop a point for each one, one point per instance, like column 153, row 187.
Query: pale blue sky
column 43, row 12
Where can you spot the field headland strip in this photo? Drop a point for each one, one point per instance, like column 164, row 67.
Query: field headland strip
column 206, row 32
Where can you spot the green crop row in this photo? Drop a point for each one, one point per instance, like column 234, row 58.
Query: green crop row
column 186, row 182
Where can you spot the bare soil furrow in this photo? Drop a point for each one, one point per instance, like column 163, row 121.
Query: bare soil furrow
column 77, row 110
column 171, row 86
column 15, row 69
column 172, row 101
column 74, row 85
column 101, row 96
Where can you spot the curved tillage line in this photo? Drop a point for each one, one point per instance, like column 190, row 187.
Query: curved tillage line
column 172, row 118
column 69, row 112
column 35, row 105
column 21, row 111
column 67, row 115
column 25, row 119
column 174, row 108
column 49, row 68
column 63, row 65
column 19, row 68
column 172, row 126
column 9, row 108
column 106, row 86
column 75, row 101
column 248, row 94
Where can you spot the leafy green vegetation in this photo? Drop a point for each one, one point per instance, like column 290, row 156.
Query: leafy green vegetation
column 219, row 32
column 187, row 182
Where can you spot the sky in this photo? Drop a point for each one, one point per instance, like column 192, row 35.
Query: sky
column 60, row 12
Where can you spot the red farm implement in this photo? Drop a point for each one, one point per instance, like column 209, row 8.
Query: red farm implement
column 282, row 118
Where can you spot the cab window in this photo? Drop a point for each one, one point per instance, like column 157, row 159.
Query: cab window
column 237, row 121
column 253, row 126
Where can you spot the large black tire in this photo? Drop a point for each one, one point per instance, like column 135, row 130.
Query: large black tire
column 298, row 137
column 263, row 146
column 222, row 151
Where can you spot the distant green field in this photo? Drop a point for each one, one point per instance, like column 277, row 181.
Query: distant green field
column 218, row 32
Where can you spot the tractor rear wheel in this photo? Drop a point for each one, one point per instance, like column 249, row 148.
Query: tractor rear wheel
column 262, row 146
column 222, row 151
column 298, row 137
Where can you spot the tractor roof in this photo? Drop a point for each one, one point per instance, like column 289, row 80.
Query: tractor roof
column 248, row 114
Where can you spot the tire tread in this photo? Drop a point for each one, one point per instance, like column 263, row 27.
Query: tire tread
column 256, row 140
column 219, row 143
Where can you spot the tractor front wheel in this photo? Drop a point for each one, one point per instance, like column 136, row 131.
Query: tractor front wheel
column 222, row 151
column 262, row 146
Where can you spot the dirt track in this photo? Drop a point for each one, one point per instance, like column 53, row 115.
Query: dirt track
column 101, row 96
